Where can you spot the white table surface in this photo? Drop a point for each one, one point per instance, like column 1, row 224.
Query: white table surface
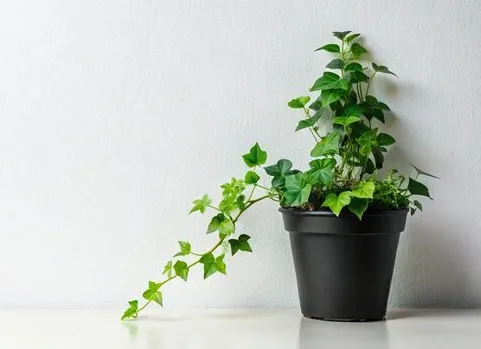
column 235, row 328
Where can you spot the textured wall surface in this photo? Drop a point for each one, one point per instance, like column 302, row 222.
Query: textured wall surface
column 116, row 114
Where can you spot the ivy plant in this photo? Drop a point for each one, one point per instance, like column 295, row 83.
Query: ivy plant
column 343, row 175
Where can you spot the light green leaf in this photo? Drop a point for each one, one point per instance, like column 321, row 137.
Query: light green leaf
column 185, row 249
column 299, row 102
column 330, row 81
column 352, row 37
column 417, row 188
column 367, row 141
column 321, row 170
column 383, row 139
column 222, row 224
column 364, row 190
column 329, row 48
column 421, row 172
column 181, row 270
column 297, row 190
column 330, row 96
column 212, row 264
column 335, row 64
column 168, row 269
column 382, row 69
column 336, row 203
column 329, row 145
column 240, row 244
column 201, row 204
column 251, row 177
column 346, row 120
column 255, row 157
column 131, row 311
column 152, row 295
column 357, row 49
column 358, row 206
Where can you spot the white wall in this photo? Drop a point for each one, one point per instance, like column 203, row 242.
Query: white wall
column 116, row 114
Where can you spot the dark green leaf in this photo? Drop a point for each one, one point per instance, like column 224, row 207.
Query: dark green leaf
column 321, row 170
column 181, row 270
column 222, row 224
column 185, row 249
column 280, row 168
column 251, row 177
column 330, row 48
column 330, row 81
column 358, row 206
column 367, row 141
column 330, row 96
column 357, row 50
column 418, row 205
column 355, row 77
column 341, row 35
column 297, row 190
column 311, row 122
column 369, row 169
column 335, row 64
column 212, row 264
column 329, row 145
column 352, row 37
column 353, row 67
column 421, row 172
column 383, row 139
column 378, row 157
column 417, row 188
column 336, row 203
column 240, row 244
column 201, row 204
column 299, row 102
column 382, row 69
column 383, row 106
column 255, row 157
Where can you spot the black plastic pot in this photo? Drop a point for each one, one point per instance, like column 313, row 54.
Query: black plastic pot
column 344, row 266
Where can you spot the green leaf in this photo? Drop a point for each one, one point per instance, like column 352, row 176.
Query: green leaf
column 241, row 244
column 417, row 188
column 355, row 76
column 181, row 270
column 329, row 48
column 255, row 157
column 330, row 81
column 299, row 102
column 310, row 122
column 168, row 269
column 369, row 169
column 201, row 204
column 329, row 145
column 337, row 203
column 222, row 224
column 185, row 249
column 335, row 64
column 154, row 286
column 383, row 139
column 131, row 311
column 152, row 295
column 330, row 96
column 382, row 69
column 421, row 172
column 341, row 35
column 418, row 205
column 279, row 171
column 251, row 177
column 357, row 49
column 364, row 190
column 358, row 206
column 346, row 120
column 322, row 170
column 212, row 264
column 378, row 157
column 353, row 67
column 367, row 141
column 352, row 37
column 297, row 190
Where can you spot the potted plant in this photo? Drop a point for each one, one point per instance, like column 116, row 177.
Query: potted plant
column 344, row 217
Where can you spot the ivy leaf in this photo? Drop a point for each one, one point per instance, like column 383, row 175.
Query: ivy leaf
column 329, row 48
column 335, row 64
column 299, row 102
column 417, row 188
column 329, row 145
column 330, row 81
column 378, row 157
column 353, row 67
column 241, row 244
column 279, row 171
column 131, row 311
column 367, row 141
column 201, row 204
column 168, row 269
column 222, row 224
column 418, row 205
column 383, row 139
column 341, row 35
column 364, row 190
column 152, row 295
column 369, row 168
column 310, row 122
column 357, row 49
column 255, row 157
column 355, row 76
column 337, row 203
column 352, row 37
column 297, row 190
column 330, row 96
column 322, row 170
column 154, row 286
column 346, row 120
column 181, row 270
column 251, row 177
column 358, row 206
column 421, row 172
column 185, row 249
column 212, row 264
column 382, row 69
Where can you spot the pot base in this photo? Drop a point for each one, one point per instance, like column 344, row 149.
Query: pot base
column 344, row 320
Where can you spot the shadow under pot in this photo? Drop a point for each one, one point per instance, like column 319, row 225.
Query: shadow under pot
column 344, row 266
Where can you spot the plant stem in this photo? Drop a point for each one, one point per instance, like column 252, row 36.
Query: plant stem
column 369, row 83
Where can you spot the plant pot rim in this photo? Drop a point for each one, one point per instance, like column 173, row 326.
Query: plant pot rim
column 326, row 213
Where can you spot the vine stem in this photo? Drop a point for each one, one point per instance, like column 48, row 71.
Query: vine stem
column 219, row 243
column 369, row 83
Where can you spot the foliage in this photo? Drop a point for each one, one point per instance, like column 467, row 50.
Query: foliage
column 342, row 177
